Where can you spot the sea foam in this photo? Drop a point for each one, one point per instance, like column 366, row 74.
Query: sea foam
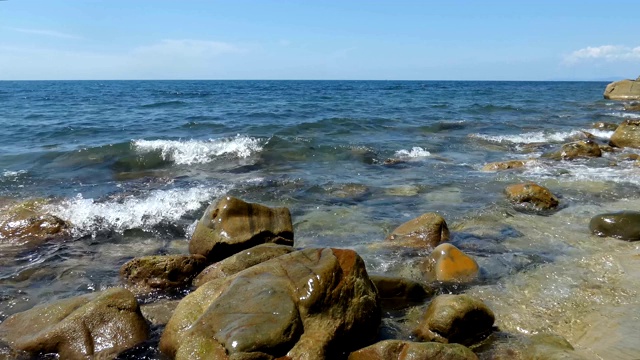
column 186, row 152
column 528, row 138
column 415, row 152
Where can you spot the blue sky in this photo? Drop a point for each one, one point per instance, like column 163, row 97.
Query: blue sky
column 322, row 39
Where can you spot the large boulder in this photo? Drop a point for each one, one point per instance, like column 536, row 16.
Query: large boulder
column 241, row 261
column 530, row 196
column 426, row 231
column 233, row 225
column 309, row 304
column 624, row 225
column 96, row 325
column 455, row 319
column 407, row 350
column 627, row 134
column 576, row 150
column 28, row 223
column 162, row 272
column 447, row 263
column 623, row 90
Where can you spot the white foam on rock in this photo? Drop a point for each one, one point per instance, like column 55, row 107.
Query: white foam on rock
column 186, row 152
column 415, row 152
column 133, row 212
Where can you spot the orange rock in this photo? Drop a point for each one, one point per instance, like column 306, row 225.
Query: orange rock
column 427, row 230
column 449, row 264
column 531, row 195
column 505, row 165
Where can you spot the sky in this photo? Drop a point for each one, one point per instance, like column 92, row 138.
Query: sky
column 320, row 39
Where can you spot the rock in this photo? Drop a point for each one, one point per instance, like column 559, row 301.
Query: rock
column 627, row 134
column 407, row 350
column 447, row 263
column 530, row 196
column 400, row 290
column 623, row 90
column 161, row 272
column 551, row 347
column 624, row 225
column 600, row 125
column 575, row 150
column 241, row 261
column 96, row 325
column 607, row 148
column 159, row 313
column 28, row 223
column 631, row 157
column 459, row 319
column 505, row 165
column 632, row 107
column 427, row 230
column 233, row 225
column 309, row 304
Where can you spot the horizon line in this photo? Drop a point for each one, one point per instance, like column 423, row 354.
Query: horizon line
column 407, row 80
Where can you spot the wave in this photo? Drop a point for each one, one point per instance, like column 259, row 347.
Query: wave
column 528, row 138
column 133, row 212
column 13, row 174
column 415, row 152
column 187, row 152
column 624, row 115
column 161, row 104
column 568, row 171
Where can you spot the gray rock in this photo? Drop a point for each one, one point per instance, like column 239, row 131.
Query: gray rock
column 624, row 225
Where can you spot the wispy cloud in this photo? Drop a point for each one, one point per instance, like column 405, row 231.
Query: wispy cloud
column 49, row 33
column 609, row 53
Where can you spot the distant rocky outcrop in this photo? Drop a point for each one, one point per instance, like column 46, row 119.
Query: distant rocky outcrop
column 623, row 90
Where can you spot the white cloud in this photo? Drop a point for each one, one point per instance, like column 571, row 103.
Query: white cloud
column 49, row 33
column 609, row 53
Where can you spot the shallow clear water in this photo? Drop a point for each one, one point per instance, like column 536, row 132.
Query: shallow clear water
column 132, row 164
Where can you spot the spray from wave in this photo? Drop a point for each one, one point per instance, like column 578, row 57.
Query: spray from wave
column 415, row 152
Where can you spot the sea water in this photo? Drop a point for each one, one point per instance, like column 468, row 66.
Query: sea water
column 132, row 165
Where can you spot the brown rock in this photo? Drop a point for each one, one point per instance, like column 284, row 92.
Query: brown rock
column 241, row 261
column 233, row 225
column 604, row 126
column 407, row 350
column 447, row 263
column 162, row 271
column 400, row 290
column 623, row 90
column 505, row 165
column 576, row 150
column 96, row 325
column 427, row 230
column 632, row 107
column 626, row 135
column 530, row 196
column 27, row 223
column 308, row 304
column 455, row 319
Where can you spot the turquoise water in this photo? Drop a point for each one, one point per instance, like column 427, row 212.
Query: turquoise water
column 132, row 164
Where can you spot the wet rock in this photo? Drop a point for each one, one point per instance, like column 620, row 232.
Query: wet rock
column 626, row 135
column 604, row 126
column 632, row 107
column 309, row 304
column 623, row 90
column 447, row 263
column 393, row 161
column 455, row 319
column 505, row 165
column 241, row 261
column 398, row 290
column 531, row 196
column 407, row 350
column 159, row 313
column 96, row 325
column 624, row 225
column 350, row 191
column 233, row 225
column 607, row 148
column 427, row 230
column 162, row 272
column 576, row 150
column 28, row 223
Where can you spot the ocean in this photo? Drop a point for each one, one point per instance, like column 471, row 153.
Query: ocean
column 133, row 164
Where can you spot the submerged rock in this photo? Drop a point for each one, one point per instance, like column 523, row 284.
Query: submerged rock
column 624, row 225
column 623, row 90
column 534, row 347
column 427, row 230
column 627, row 134
column 96, row 325
column 232, row 225
column 460, row 319
column 159, row 313
column 447, row 263
column 162, row 271
column 27, row 223
column 505, row 165
column 308, row 304
column 531, row 196
column 241, row 261
column 576, row 150
column 632, row 107
column 407, row 350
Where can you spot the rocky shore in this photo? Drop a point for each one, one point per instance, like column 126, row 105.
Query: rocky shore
column 246, row 291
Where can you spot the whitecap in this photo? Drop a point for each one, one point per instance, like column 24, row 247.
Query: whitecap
column 186, row 152
column 624, row 115
column 133, row 212
column 415, row 152
column 9, row 174
column 528, row 138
